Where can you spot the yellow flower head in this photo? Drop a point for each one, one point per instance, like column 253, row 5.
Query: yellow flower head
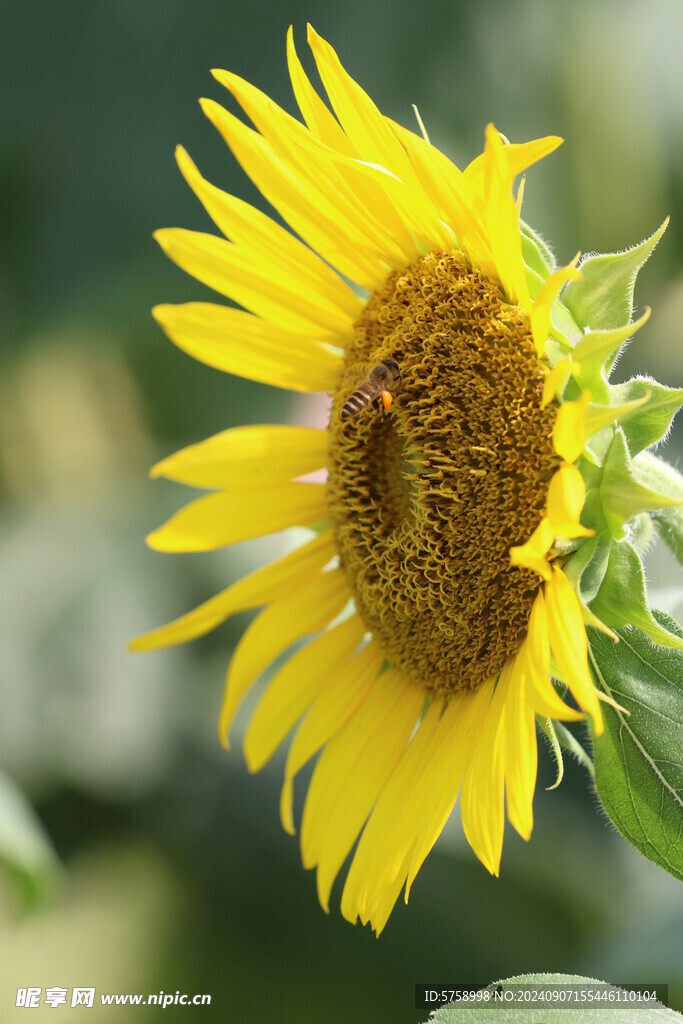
column 432, row 593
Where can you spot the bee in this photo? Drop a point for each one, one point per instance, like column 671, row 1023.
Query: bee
column 382, row 382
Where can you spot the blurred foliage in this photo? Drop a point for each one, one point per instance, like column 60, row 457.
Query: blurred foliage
column 177, row 875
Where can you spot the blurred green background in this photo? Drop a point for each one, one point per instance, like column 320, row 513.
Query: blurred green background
column 138, row 856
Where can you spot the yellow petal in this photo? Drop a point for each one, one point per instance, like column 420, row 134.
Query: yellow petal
column 305, row 610
column 343, row 694
column 376, row 145
column 376, row 841
column 237, row 342
column 275, row 250
column 334, row 229
column 264, row 585
column 541, row 694
column 556, row 380
column 569, row 645
column 356, row 739
column 227, row 517
column 502, row 220
column 415, row 806
column 316, row 115
column 465, row 723
column 379, row 204
column 287, row 807
column 566, row 495
column 364, row 774
column 247, row 457
column 545, row 298
column 531, row 555
column 518, row 156
column 369, row 193
column 451, row 193
column 291, row 692
column 338, row 176
column 363, row 123
column 481, row 800
column 520, row 196
column 520, row 751
column 386, row 898
column 569, row 431
column 278, row 297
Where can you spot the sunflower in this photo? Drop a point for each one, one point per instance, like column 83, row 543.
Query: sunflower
column 436, row 593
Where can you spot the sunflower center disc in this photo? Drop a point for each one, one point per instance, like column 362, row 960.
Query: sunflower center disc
column 428, row 499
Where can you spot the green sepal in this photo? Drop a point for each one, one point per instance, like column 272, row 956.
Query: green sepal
column 599, row 420
column 533, row 279
column 641, row 531
column 639, row 779
column 593, row 572
column 585, row 570
column 647, row 426
column 622, row 597
column 569, row 741
column 563, row 325
column 533, row 260
column 555, row 350
column 669, row 521
column 655, row 472
column 576, row 565
column 537, row 253
column 623, row 492
column 603, row 298
column 547, row 726
column 597, row 446
column 600, row 416
column 594, row 350
column 593, row 515
column 589, row 561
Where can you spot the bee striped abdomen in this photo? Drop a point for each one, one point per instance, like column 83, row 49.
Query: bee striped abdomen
column 365, row 394
column 384, row 378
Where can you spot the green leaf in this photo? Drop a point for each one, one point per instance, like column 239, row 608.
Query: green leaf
column 603, row 298
column 507, row 1011
column 639, row 774
column 622, row 597
column 651, row 422
column 24, row 846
